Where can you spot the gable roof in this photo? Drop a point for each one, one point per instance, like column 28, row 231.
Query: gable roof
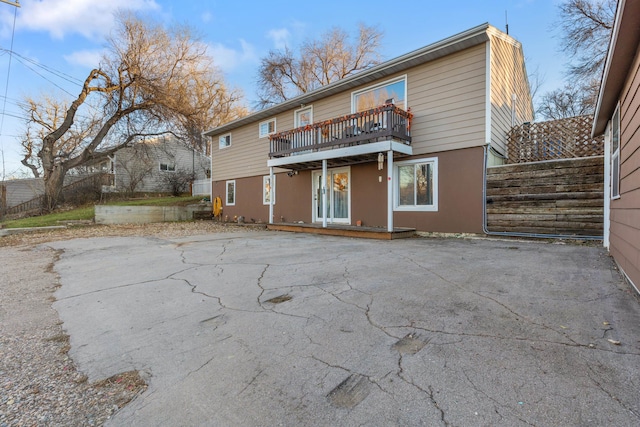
column 623, row 46
column 455, row 43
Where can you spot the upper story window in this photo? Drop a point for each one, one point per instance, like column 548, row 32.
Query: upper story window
column 392, row 91
column 303, row 117
column 267, row 128
column 224, row 141
column 167, row 167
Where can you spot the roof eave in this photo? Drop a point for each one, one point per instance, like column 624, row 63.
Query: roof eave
column 623, row 46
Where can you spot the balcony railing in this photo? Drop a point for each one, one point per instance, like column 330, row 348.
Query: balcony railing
column 378, row 124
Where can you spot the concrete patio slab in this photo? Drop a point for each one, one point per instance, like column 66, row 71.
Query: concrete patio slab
column 268, row 328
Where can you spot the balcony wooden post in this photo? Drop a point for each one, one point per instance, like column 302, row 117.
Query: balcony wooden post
column 390, row 191
column 324, row 193
column 272, row 194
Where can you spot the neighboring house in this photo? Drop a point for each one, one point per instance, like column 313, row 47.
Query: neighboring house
column 16, row 191
column 402, row 144
column 147, row 166
column 618, row 117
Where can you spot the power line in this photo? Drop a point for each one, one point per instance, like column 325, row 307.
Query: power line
column 57, row 73
column 6, row 89
column 50, row 81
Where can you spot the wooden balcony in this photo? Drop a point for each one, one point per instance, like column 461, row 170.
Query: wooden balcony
column 386, row 122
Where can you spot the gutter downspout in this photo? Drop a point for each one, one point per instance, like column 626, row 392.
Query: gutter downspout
column 514, row 234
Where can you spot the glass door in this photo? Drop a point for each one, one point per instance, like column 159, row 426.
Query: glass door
column 338, row 196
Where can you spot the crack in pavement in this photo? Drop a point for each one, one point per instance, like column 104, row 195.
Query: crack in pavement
column 513, row 312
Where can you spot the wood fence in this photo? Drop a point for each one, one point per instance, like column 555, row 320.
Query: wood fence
column 553, row 140
column 37, row 203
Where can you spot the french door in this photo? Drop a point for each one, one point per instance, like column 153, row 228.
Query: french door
column 338, row 187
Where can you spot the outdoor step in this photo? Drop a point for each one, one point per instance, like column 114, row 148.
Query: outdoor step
column 545, row 210
column 550, row 196
column 568, row 188
column 547, row 230
column 547, row 165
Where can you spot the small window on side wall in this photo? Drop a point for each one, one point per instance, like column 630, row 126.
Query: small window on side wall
column 268, row 190
column 166, row 167
column 615, row 154
column 224, row 141
column 230, row 195
column 266, row 128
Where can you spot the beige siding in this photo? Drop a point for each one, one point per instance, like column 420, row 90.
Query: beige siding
column 508, row 77
column 143, row 161
column 446, row 96
column 625, row 211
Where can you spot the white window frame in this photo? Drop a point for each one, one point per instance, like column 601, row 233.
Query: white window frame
column 377, row 86
column 226, row 192
column 296, row 113
column 615, row 155
column 264, row 135
column 224, row 145
column 272, row 190
column 168, row 167
column 396, row 186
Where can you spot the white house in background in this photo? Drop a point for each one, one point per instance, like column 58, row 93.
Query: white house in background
column 145, row 166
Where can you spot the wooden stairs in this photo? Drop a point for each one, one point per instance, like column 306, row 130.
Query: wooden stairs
column 551, row 197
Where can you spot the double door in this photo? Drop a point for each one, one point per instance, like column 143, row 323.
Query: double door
column 338, row 188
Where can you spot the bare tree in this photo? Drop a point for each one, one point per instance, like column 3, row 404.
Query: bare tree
column 284, row 74
column 151, row 80
column 568, row 101
column 586, row 27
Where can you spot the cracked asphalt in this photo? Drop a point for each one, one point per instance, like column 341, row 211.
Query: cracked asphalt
column 268, row 328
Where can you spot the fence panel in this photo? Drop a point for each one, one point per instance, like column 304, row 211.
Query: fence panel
column 201, row 187
column 553, row 140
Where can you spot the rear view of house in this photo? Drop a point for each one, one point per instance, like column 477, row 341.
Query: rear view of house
column 403, row 144
column 618, row 117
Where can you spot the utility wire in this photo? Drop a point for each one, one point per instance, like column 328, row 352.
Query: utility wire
column 6, row 89
column 57, row 73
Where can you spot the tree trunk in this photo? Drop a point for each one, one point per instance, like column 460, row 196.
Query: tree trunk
column 53, row 183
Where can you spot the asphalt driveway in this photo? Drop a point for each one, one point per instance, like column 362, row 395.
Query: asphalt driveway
column 268, row 328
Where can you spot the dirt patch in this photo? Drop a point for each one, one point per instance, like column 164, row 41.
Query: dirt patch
column 280, row 299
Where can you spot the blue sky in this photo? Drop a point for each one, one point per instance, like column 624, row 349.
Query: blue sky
column 67, row 36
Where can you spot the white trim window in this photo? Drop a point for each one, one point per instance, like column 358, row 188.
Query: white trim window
column 266, row 128
column 303, row 116
column 394, row 91
column 615, row 154
column 268, row 189
column 167, row 167
column 416, row 185
column 230, row 193
column 224, row 141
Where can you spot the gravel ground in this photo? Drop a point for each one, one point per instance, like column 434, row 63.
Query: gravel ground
column 39, row 383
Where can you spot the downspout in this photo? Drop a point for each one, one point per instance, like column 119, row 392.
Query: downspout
column 514, row 234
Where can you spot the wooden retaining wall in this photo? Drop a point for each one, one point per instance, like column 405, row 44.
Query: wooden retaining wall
column 551, row 197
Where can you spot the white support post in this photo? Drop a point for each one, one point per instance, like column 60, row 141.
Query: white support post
column 272, row 195
column 324, row 193
column 390, row 191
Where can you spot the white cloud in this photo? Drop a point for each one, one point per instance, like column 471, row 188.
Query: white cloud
column 85, row 58
column 206, row 17
column 89, row 18
column 280, row 37
column 228, row 59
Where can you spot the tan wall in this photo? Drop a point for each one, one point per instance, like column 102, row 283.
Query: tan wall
column 625, row 212
column 446, row 96
column 508, row 77
column 459, row 196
